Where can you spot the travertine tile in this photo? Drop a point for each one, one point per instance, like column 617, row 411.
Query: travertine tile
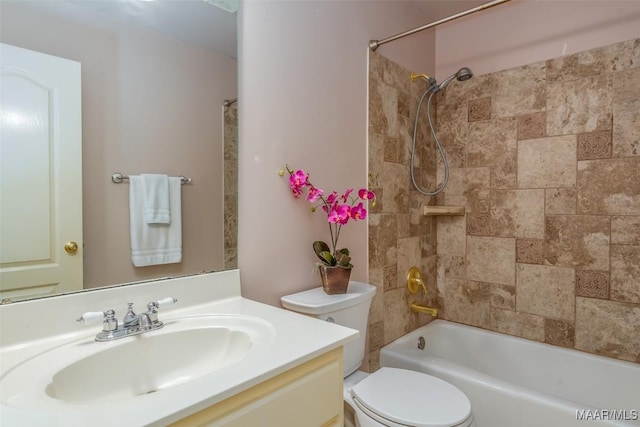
column 609, row 186
column 376, row 159
column 493, row 144
column 545, row 291
column 480, row 109
column 592, row 284
column 376, row 335
column 619, row 56
column 383, row 108
column 409, row 255
column 625, row 230
column 451, row 235
column 468, row 302
column 391, row 149
column 468, row 187
column 594, row 145
column 609, row 328
column 547, row 162
column 478, row 224
column 390, row 273
column 523, row 325
column 376, row 311
column 517, row 213
column 579, row 241
column 626, row 84
column 382, row 240
column 491, row 259
column 579, row 106
column 452, row 126
column 520, row 90
column 532, row 125
column 625, row 273
column 559, row 332
column 626, row 128
column 559, row 201
column 451, row 267
column 530, row 251
column 396, row 192
column 503, row 296
column 395, row 326
column 374, row 361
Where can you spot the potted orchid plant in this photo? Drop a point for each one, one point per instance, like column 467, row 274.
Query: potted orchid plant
column 335, row 263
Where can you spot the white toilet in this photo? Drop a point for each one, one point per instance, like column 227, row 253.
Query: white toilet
column 390, row 396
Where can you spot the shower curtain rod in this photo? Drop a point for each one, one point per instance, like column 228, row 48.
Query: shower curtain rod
column 375, row 44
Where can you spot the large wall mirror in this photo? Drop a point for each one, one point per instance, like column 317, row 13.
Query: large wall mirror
column 158, row 95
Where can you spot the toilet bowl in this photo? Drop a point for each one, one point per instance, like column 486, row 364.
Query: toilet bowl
column 389, row 397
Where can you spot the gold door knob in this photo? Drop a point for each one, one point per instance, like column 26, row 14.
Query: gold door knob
column 71, row 247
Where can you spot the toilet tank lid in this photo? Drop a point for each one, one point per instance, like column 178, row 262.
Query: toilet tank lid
column 316, row 301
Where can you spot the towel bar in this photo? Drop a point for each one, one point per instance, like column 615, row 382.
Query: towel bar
column 118, row 178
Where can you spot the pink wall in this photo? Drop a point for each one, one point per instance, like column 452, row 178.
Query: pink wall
column 524, row 31
column 303, row 91
column 150, row 104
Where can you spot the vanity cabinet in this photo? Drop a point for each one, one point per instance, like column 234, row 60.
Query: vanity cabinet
column 310, row 394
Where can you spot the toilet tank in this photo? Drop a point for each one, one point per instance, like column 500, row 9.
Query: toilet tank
column 350, row 310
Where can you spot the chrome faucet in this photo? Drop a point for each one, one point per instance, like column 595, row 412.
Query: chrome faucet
column 132, row 323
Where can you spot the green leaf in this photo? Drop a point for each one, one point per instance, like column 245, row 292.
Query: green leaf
column 327, row 258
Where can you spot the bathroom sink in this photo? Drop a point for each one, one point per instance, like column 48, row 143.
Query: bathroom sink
column 187, row 348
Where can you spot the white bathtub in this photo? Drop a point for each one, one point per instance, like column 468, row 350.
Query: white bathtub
column 514, row 382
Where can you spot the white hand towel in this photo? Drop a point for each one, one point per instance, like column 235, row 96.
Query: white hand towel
column 153, row 244
column 156, row 199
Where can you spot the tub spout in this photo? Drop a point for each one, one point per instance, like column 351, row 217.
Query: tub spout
column 422, row 309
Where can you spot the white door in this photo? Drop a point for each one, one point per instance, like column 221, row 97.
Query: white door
column 40, row 174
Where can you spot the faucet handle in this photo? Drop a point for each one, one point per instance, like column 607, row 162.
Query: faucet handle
column 91, row 317
column 166, row 301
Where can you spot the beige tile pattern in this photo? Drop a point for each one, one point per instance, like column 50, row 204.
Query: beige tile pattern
column 625, row 230
column 609, row 187
column 608, row 328
column 492, row 144
column 230, row 209
column 530, row 251
column 468, row 302
column 593, row 284
column 625, row 273
column 517, row 323
column 560, row 201
column 491, row 259
column 594, row 145
column 559, row 332
column 547, row 162
column 579, row 106
column 480, row 109
column 532, row 125
column 573, row 213
column 626, row 128
column 517, row 213
column 399, row 235
column 579, row 241
column 546, row 291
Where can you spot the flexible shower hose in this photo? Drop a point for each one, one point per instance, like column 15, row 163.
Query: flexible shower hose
column 435, row 137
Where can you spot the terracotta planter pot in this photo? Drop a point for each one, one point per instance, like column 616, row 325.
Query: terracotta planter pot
column 335, row 279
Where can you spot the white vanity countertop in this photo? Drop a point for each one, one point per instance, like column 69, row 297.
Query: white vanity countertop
column 297, row 339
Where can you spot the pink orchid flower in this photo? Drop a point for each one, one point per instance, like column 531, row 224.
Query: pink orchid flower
column 358, row 212
column 314, row 194
column 365, row 194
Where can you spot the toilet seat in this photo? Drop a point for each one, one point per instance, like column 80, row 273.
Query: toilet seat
column 399, row 397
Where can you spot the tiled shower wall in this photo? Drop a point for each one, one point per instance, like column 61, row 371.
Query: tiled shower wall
column 546, row 160
column 231, row 186
column 399, row 237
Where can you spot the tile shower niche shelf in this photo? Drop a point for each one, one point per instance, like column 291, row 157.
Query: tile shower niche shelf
column 442, row 210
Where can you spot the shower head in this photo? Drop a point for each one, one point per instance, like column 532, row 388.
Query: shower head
column 461, row 75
